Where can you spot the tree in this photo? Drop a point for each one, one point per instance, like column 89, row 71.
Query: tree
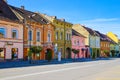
column 49, row 55
column 113, row 53
column 106, row 53
column 75, row 51
column 35, row 50
column 93, row 55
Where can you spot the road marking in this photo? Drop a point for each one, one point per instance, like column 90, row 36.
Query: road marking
column 51, row 71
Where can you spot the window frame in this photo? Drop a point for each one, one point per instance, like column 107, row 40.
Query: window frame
column 16, row 33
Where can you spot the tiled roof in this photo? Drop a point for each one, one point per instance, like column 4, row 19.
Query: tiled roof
column 92, row 32
column 104, row 37
column 74, row 32
column 5, row 11
column 28, row 15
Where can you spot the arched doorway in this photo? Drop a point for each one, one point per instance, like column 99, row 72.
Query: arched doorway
column 68, row 52
column 48, row 54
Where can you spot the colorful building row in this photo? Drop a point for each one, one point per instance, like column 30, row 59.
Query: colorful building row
column 21, row 29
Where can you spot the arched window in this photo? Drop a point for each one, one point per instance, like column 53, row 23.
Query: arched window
column 49, row 37
column 61, row 36
column 30, row 35
column 56, row 35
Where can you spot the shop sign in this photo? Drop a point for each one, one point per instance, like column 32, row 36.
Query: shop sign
column 9, row 43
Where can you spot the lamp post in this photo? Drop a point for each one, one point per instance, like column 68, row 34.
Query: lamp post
column 30, row 39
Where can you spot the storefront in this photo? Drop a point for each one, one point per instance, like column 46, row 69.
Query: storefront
column 14, row 53
column 2, row 53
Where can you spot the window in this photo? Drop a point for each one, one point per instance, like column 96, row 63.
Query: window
column 61, row 36
column 14, row 34
column 78, row 42
column 2, row 32
column 38, row 36
column 49, row 37
column 56, row 35
column 61, row 50
column 67, row 36
column 74, row 42
column 2, row 53
column 14, row 53
column 30, row 35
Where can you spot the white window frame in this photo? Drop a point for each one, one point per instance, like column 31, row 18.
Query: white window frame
column 16, row 33
column 49, row 40
column 39, row 36
column 5, row 35
column 29, row 36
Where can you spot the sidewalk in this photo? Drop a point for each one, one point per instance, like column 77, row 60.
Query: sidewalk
column 13, row 64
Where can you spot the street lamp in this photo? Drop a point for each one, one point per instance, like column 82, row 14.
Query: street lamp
column 30, row 38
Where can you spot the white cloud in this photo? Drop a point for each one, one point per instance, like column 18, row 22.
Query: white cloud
column 102, row 20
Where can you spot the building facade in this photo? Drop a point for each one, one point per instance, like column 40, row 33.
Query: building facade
column 11, row 34
column 80, row 29
column 62, row 36
column 104, row 45
column 78, row 43
column 114, row 46
column 37, row 32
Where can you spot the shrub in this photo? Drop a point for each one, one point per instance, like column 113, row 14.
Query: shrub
column 49, row 55
column 113, row 53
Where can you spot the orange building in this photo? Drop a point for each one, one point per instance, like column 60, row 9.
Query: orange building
column 37, row 32
column 104, row 45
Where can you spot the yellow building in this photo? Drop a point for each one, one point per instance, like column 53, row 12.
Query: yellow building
column 113, row 36
column 62, row 34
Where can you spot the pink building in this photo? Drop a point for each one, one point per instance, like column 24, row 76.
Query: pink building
column 11, row 35
column 78, row 42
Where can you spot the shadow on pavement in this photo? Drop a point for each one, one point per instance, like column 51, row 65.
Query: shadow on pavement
column 20, row 63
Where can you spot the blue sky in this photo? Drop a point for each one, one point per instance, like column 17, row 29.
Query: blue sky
column 101, row 15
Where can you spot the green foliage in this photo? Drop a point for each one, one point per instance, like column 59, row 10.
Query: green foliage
column 36, row 49
column 29, row 53
column 75, row 51
column 93, row 56
column 49, row 55
column 113, row 53
column 107, row 53
column 117, row 51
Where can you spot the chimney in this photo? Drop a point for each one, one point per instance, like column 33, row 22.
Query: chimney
column 22, row 7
